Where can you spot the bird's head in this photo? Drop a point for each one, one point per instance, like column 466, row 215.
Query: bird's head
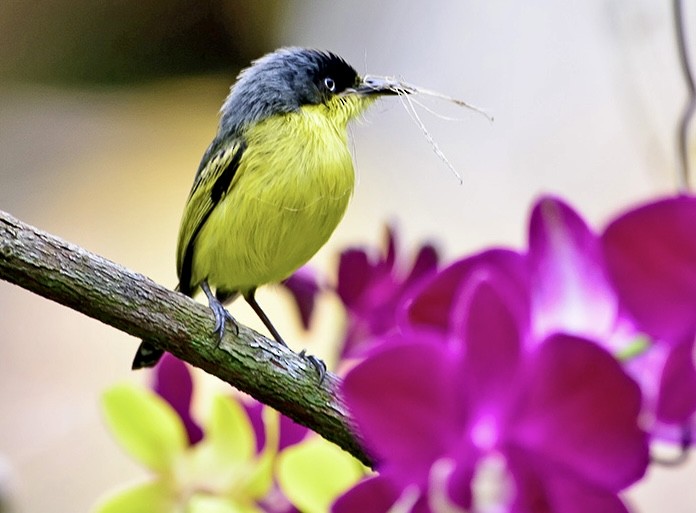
column 288, row 79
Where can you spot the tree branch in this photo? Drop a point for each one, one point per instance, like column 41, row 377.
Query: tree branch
column 130, row 302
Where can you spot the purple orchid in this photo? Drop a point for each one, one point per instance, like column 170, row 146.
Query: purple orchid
column 304, row 287
column 290, row 432
column 371, row 288
column 651, row 257
column 651, row 254
column 606, row 289
column 636, row 279
column 546, row 366
column 172, row 381
column 481, row 415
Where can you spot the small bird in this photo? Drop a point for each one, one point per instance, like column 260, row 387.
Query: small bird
column 274, row 183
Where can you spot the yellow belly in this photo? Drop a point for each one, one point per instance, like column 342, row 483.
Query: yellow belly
column 284, row 203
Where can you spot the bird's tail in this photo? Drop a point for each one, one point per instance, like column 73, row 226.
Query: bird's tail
column 147, row 354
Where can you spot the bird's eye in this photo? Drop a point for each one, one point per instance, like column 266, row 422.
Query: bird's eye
column 330, row 84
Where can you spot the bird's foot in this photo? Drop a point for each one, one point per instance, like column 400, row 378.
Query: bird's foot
column 318, row 364
column 221, row 316
column 220, row 313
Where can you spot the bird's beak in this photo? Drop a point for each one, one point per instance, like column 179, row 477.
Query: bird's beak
column 378, row 86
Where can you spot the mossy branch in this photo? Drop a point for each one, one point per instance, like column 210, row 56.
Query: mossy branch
column 134, row 304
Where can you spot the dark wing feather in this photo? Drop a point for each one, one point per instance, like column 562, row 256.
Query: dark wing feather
column 212, row 182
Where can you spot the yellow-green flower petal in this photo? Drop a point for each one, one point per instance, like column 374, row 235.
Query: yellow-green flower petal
column 223, row 460
column 145, row 426
column 230, row 431
column 208, row 504
column 314, row 473
column 261, row 478
column 153, row 497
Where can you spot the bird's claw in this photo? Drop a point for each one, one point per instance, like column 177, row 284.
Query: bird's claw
column 317, row 363
column 221, row 315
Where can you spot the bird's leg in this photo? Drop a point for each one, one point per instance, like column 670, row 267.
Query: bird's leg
column 219, row 311
column 251, row 299
column 318, row 365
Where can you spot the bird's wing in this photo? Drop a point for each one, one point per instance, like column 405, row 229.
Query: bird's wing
column 212, row 182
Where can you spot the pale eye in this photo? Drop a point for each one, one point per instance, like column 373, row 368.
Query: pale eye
column 330, row 84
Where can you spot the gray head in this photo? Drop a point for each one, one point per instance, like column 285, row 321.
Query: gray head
column 282, row 82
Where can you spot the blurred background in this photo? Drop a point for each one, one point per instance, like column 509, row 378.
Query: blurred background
column 107, row 107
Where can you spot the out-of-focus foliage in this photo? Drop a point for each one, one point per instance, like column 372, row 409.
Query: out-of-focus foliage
column 82, row 41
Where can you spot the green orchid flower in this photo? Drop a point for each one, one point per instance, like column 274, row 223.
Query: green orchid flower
column 221, row 474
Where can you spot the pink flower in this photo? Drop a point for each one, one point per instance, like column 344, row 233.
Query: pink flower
column 555, row 419
column 371, row 288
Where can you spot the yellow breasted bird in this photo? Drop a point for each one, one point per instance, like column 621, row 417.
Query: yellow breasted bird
column 274, row 183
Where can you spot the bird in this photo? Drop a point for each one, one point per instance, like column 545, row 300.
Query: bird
column 273, row 184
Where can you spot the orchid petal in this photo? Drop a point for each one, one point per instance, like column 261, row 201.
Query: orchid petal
column 677, row 396
column 254, row 411
column 431, row 302
column 225, row 456
column 314, row 473
column 145, row 425
column 460, row 481
column 580, row 410
column 304, row 287
column 425, row 263
column 373, row 495
column 544, row 486
column 172, row 381
column 570, row 291
column 651, row 254
column 202, row 503
column 290, row 431
column 403, row 395
column 354, row 273
column 156, row 495
column 229, row 430
column 484, row 317
column 439, row 499
column 682, row 435
column 259, row 480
